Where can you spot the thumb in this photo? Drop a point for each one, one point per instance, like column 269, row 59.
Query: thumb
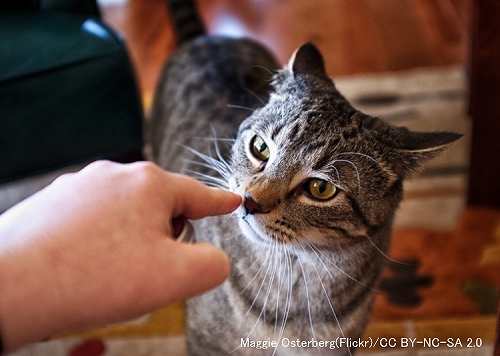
column 200, row 267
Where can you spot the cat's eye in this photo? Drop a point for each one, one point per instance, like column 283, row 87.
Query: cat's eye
column 321, row 189
column 259, row 148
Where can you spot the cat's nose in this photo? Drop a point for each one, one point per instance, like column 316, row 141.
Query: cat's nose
column 251, row 206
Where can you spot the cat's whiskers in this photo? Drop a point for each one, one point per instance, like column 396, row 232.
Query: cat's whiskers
column 308, row 299
column 358, row 154
column 335, row 160
column 267, row 261
column 219, row 164
column 265, row 252
column 271, row 280
column 338, row 176
column 387, row 256
column 275, row 269
column 232, row 106
column 263, row 249
column 322, row 256
column 255, row 299
column 255, row 95
column 212, row 163
column 229, row 216
column 355, row 168
column 262, row 312
column 262, row 67
column 287, row 278
column 326, row 294
column 227, row 166
column 208, row 179
column 278, row 289
column 269, row 268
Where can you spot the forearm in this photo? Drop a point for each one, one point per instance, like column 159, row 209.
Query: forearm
column 25, row 303
column 40, row 265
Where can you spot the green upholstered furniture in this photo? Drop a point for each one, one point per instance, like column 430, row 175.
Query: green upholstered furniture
column 67, row 88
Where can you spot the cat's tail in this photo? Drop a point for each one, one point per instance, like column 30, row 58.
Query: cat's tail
column 186, row 20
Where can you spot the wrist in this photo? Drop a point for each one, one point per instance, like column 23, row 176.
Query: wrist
column 23, row 314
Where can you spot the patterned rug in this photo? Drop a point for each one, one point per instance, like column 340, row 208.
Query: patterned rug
column 440, row 294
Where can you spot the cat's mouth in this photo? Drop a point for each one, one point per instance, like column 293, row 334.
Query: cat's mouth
column 251, row 231
column 254, row 230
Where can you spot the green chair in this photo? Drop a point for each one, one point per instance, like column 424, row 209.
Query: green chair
column 67, row 89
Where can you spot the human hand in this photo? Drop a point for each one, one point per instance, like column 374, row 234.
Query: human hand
column 96, row 247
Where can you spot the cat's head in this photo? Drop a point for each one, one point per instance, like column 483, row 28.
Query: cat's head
column 313, row 169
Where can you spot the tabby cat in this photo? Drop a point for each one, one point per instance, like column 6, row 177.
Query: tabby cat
column 321, row 182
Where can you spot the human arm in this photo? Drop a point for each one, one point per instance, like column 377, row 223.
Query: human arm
column 96, row 247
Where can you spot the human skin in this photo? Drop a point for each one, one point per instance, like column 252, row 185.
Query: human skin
column 96, row 247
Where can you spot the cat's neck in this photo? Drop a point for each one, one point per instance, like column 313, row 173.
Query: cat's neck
column 335, row 282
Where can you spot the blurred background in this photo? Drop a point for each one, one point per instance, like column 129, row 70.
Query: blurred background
column 425, row 64
column 356, row 36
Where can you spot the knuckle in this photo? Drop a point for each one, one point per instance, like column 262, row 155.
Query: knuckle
column 98, row 165
column 145, row 174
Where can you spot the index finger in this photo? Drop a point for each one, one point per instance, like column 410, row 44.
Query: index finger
column 194, row 200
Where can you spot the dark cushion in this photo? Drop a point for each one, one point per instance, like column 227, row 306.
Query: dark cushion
column 67, row 93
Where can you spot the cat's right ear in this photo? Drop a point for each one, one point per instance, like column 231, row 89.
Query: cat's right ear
column 415, row 148
column 308, row 60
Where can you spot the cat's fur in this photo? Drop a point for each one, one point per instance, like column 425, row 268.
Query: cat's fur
column 302, row 268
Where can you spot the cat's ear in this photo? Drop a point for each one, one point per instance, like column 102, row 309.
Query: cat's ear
column 415, row 148
column 307, row 60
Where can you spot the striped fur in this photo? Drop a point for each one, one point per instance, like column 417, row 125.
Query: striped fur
column 185, row 19
column 302, row 268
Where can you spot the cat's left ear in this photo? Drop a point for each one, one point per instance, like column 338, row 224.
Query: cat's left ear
column 415, row 148
column 307, row 60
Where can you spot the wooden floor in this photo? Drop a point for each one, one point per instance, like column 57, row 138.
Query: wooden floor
column 355, row 36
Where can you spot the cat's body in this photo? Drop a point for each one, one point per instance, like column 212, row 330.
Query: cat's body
column 321, row 182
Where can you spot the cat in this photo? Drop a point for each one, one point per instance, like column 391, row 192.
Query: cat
column 320, row 182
